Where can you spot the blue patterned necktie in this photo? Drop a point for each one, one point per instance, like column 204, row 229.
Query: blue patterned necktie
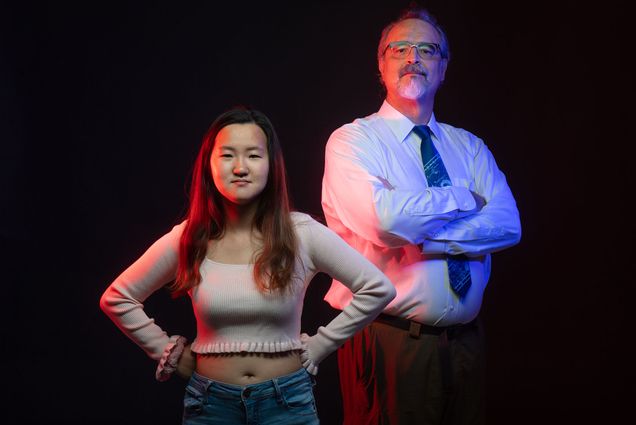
column 437, row 176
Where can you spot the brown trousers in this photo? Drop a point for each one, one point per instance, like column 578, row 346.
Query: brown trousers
column 390, row 378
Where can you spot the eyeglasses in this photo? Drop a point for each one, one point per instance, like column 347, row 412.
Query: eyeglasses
column 401, row 49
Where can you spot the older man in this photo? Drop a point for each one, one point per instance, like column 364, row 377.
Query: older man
column 427, row 204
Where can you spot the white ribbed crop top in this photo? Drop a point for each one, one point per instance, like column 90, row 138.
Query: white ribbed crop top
column 233, row 316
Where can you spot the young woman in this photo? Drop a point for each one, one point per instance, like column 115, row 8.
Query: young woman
column 245, row 260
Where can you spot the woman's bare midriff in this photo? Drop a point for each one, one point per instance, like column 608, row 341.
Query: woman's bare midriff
column 247, row 368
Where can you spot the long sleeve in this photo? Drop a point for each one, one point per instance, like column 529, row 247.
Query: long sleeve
column 377, row 198
column 360, row 189
column 123, row 300
column 371, row 289
column 495, row 227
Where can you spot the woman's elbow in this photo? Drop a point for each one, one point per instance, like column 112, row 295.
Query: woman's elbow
column 107, row 300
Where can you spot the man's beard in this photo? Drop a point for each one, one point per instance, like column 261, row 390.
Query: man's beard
column 412, row 87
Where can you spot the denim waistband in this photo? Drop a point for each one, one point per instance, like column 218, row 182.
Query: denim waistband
column 263, row 389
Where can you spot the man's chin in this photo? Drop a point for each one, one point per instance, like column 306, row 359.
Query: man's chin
column 412, row 91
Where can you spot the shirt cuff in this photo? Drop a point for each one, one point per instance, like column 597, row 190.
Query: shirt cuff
column 464, row 198
column 305, row 355
column 171, row 354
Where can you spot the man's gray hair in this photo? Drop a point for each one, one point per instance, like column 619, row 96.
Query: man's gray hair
column 415, row 13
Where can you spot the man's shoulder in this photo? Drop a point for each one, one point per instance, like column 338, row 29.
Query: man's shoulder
column 360, row 129
column 452, row 130
column 363, row 122
column 459, row 135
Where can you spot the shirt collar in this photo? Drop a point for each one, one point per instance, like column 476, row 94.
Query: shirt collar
column 400, row 125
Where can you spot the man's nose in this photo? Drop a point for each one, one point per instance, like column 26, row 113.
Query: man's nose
column 413, row 56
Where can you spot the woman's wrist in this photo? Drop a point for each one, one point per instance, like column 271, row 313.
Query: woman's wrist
column 170, row 358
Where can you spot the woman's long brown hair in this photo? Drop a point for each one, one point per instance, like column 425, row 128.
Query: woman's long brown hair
column 274, row 263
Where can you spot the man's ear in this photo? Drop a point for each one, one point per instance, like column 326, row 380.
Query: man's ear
column 443, row 65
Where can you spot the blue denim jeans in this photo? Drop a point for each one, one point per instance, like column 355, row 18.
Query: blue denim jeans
column 286, row 400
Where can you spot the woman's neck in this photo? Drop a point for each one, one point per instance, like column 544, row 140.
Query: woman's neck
column 240, row 218
column 240, row 240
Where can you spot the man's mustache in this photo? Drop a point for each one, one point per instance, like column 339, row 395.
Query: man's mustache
column 412, row 68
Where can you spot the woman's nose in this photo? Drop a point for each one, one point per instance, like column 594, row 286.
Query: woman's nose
column 239, row 168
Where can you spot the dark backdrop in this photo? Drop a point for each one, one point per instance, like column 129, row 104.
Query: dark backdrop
column 102, row 110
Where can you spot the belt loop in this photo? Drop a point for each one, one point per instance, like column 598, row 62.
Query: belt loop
column 201, row 383
column 414, row 329
column 279, row 394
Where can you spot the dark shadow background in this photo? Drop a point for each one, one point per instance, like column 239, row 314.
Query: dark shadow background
column 102, row 109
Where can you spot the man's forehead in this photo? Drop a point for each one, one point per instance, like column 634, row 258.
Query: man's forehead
column 413, row 30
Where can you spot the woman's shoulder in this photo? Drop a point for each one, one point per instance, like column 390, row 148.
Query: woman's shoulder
column 303, row 219
column 178, row 228
column 174, row 235
column 308, row 227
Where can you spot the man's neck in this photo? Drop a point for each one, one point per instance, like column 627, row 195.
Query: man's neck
column 419, row 110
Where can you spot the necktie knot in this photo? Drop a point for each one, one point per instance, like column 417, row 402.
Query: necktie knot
column 423, row 131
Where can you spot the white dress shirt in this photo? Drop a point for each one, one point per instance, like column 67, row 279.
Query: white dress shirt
column 375, row 196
